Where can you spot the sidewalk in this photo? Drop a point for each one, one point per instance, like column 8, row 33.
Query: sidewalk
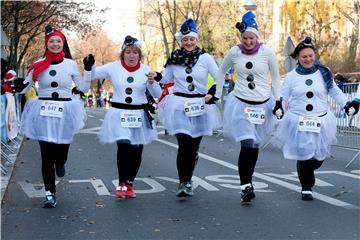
column 9, row 153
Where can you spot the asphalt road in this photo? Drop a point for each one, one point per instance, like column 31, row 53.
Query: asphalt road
column 88, row 209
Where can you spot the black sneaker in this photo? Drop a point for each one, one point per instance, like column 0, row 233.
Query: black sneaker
column 247, row 194
column 185, row 190
column 306, row 195
column 60, row 170
column 50, row 201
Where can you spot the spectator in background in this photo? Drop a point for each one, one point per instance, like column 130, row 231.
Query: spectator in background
column 341, row 81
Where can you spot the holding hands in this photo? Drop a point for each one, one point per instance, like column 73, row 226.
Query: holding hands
column 88, row 61
column 352, row 108
column 278, row 110
column 153, row 76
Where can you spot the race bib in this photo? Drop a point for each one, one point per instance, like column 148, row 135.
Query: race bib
column 194, row 107
column 255, row 115
column 131, row 119
column 52, row 109
column 309, row 124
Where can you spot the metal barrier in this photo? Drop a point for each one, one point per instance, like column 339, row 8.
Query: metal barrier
column 10, row 146
column 348, row 128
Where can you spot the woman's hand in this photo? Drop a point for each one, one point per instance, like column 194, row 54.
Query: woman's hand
column 151, row 76
column 278, row 110
column 210, row 99
column 88, row 61
column 352, row 108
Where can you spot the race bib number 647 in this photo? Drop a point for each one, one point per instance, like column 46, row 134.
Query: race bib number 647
column 52, row 109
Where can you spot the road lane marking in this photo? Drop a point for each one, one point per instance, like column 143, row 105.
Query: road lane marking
column 98, row 185
column 282, row 183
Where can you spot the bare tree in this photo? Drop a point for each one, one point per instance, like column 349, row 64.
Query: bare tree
column 354, row 17
column 24, row 21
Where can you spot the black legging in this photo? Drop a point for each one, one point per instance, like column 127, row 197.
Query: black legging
column 248, row 156
column 52, row 153
column 128, row 161
column 187, row 156
column 306, row 174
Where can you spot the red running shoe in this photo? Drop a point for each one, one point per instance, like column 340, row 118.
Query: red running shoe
column 121, row 190
column 130, row 191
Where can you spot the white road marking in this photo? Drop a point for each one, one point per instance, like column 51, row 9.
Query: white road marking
column 98, row 185
column 290, row 186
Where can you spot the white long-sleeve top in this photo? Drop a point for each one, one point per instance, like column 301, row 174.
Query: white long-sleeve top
column 261, row 65
column 307, row 94
column 128, row 92
column 56, row 81
column 204, row 66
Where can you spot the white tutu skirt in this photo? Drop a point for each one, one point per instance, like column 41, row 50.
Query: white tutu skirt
column 300, row 145
column 112, row 131
column 172, row 116
column 237, row 126
column 53, row 129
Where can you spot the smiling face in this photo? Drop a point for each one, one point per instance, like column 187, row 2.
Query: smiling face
column 248, row 39
column 307, row 57
column 189, row 43
column 55, row 44
column 131, row 56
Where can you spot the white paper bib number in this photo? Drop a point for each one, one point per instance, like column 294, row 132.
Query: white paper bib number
column 309, row 124
column 255, row 115
column 131, row 119
column 194, row 107
column 52, row 109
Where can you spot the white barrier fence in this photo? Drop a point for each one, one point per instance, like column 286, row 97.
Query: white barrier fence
column 348, row 128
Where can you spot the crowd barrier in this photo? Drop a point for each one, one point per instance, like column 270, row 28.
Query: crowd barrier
column 10, row 138
column 348, row 128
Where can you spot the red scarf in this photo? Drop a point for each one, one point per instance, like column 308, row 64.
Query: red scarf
column 50, row 57
column 128, row 68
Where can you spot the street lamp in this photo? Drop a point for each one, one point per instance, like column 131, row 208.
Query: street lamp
column 250, row 5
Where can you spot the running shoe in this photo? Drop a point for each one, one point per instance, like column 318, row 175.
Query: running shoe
column 248, row 193
column 50, row 200
column 185, row 189
column 121, row 190
column 130, row 191
column 306, row 195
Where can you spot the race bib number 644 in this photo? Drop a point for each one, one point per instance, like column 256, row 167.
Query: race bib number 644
column 309, row 124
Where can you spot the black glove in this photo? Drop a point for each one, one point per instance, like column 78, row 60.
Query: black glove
column 278, row 105
column 88, row 61
column 354, row 104
column 158, row 77
column 75, row 91
column 19, row 84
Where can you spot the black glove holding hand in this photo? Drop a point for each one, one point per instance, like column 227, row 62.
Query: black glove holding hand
column 278, row 110
column 88, row 61
column 75, row 91
column 354, row 104
column 19, row 84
